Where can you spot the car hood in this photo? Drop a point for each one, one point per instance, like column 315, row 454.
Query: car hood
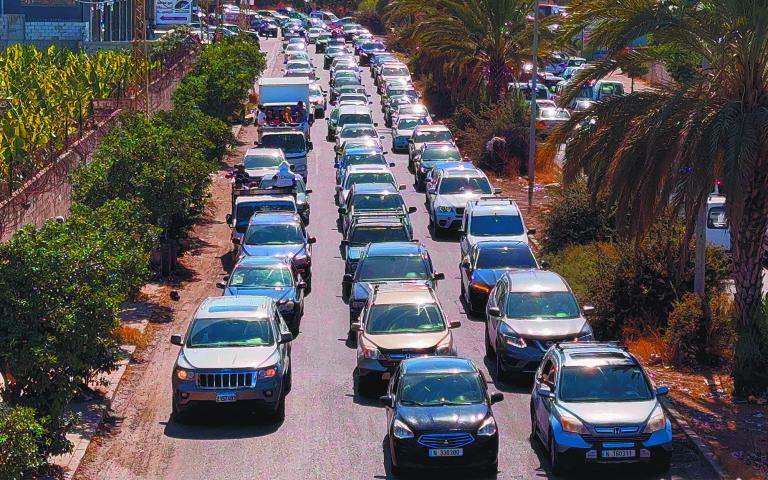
column 404, row 133
column 448, row 417
column 488, row 276
column 274, row 293
column 543, row 329
column 259, row 172
column 273, row 250
column 399, row 341
column 228, row 357
column 362, row 290
column 602, row 413
column 473, row 239
column 455, row 200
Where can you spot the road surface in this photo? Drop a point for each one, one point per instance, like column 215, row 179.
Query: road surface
column 328, row 433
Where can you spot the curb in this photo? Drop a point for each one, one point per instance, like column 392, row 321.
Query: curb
column 91, row 416
column 701, row 446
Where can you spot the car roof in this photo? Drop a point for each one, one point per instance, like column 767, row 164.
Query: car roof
column 384, row 221
column 437, row 365
column 463, row 171
column 354, row 109
column 435, row 127
column 591, row 354
column 255, row 261
column 263, row 198
column 357, row 125
column 372, row 168
column 368, row 188
column 241, row 306
column 274, row 218
column 535, row 281
column 387, row 249
column 265, row 152
column 502, row 244
column 403, row 293
column 492, row 206
column 370, row 150
column 439, row 146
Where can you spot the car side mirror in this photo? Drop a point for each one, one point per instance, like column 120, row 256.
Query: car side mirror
column 311, row 240
column 221, row 284
column 544, row 391
column 494, row 311
column 236, row 240
column 338, row 188
column 292, row 168
column 256, row 143
column 356, row 326
column 176, row 340
column 412, row 209
column 496, row 397
column 345, row 243
column 228, row 218
column 337, row 165
column 342, row 210
column 391, row 164
column 587, row 309
column 531, row 231
column 545, row 265
column 454, row 324
column 308, row 191
column 387, row 400
column 401, row 187
column 286, row 337
column 662, row 390
column 348, row 277
column 465, row 264
column 310, row 146
column 375, row 124
column 496, row 191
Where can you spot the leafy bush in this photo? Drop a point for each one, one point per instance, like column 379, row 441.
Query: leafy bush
column 720, row 332
column 22, row 440
column 222, row 77
column 575, row 219
column 581, row 264
column 681, row 337
column 211, row 135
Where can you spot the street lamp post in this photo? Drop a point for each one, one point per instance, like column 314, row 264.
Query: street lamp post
column 532, row 128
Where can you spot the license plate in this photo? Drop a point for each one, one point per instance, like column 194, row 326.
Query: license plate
column 225, row 397
column 446, row 452
column 618, row 453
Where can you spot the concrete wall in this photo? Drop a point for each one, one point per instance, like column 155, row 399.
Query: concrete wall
column 53, row 30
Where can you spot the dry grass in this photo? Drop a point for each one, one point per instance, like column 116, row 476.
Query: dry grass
column 131, row 336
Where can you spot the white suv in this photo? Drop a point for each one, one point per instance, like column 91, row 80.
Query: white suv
column 492, row 218
column 448, row 194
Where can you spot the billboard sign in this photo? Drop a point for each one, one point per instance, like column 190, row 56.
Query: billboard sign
column 173, row 12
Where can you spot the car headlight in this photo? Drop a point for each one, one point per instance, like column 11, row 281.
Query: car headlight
column 657, row 421
column 571, row 424
column 487, row 428
column 445, row 347
column 444, row 209
column 185, row 375
column 586, row 334
column 371, row 353
column 266, row 373
column 511, row 337
column 400, row 430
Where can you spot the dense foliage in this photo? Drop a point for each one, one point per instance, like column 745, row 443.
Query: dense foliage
column 575, row 218
column 22, row 441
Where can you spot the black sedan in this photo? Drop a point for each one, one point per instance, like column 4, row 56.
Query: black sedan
column 439, row 415
column 485, row 263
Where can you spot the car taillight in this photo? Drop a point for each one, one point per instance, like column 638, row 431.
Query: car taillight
column 541, row 124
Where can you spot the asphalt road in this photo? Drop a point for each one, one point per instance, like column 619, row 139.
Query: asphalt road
column 328, row 433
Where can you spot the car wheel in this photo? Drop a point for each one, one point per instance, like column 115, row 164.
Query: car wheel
column 661, row 463
column 279, row 414
column 534, row 429
column 437, row 232
column 365, row 386
column 179, row 416
column 555, row 461
column 346, row 291
column 308, row 281
column 489, row 352
column 289, row 381
column 501, row 372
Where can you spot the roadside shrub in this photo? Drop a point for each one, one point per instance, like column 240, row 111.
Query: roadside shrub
column 22, row 442
column 720, row 332
column 575, row 219
column 581, row 264
column 681, row 337
column 210, row 135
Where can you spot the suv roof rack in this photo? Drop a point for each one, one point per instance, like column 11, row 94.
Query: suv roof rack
column 498, row 198
column 562, row 346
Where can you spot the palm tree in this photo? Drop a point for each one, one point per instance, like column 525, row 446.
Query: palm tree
column 675, row 141
column 477, row 43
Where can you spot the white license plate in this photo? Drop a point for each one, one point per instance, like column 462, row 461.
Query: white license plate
column 446, row 452
column 226, row 397
column 618, row 453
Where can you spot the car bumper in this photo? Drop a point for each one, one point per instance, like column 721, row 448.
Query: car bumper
column 266, row 394
column 478, row 298
column 407, row 453
column 520, row 360
column 448, row 221
column 574, row 447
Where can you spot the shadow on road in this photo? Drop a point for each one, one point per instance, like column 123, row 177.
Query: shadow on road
column 221, row 424
column 473, row 317
column 520, row 384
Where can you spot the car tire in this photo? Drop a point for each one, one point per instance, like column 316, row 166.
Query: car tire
column 489, row 352
column 534, row 429
column 364, row 386
column 346, row 291
column 398, row 471
column 661, row 463
column 179, row 416
column 288, row 381
column 555, row 461
column 278, row 414
column 501, row 373
column 308, row 281
column 492, row 468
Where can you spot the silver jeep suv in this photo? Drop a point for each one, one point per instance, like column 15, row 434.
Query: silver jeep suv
column 236, row 349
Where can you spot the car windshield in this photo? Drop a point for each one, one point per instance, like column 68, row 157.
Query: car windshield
column 505, row 258
column 352, row 89
column 406, row 318
column 250, row 277
column 546, row 305
column 465, row 184
column 340, row 82
column 441, row 155
column 353, row 98
column 550, row 113
column 355, row 118
column 261, row 161
column 373, row 46
column 396, row 91
column 334, row 49
column 395, row 72
column 315, row 90
column 377, row 201
column 413, row 110
column 398, row 267
column 298, row 65
column 365, row 159
column 368, row 177
column 289, row 143
column 495, row 225
column 717, row 219
column 604, row 383
column 273, row 235
column 367, row 234
column 246, row 210
column 434, row 136
column 230, row 332
column 358, row 132
column 430, row 389
column 410, row 123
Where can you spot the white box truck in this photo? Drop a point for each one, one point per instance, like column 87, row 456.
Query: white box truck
column 277, row 94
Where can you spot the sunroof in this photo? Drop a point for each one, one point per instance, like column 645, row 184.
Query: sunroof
column 598, row 355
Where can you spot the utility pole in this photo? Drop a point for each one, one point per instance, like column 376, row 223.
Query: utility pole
column 140, row 54
column 532, row 127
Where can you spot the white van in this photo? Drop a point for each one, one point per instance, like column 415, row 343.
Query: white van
column 717, row 222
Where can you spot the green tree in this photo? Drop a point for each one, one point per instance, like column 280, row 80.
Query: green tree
column 21, row 437
column 478, row 44
column 674, row 142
